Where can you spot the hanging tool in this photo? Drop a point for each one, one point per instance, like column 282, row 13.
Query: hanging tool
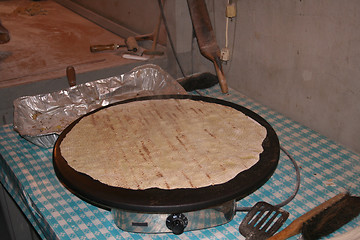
column 206, row 38
column 154, row 37
column 131, row 43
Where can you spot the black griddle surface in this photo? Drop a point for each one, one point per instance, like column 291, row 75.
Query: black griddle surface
column 156, row 200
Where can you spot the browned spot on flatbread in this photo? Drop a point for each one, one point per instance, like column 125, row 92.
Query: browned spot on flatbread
column 145, row 148
column 127, row 118
column 171, row 145
column 181, row 142
column 188, row 179
column 108, row 123
column 93, row 119
column 123, row 155
column 222, row 167
column 160, row 175
column 195, row 111
column 143, row 155
column 207, row 131
column 158, row 114
column 146, row 121
column 179, row 109
column 208, row 176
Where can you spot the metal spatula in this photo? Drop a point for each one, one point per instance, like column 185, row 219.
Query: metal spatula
column 262, row 221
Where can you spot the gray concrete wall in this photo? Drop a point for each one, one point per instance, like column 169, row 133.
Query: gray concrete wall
column 300, row 58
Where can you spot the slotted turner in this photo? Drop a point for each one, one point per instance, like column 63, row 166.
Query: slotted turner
column 262, row 221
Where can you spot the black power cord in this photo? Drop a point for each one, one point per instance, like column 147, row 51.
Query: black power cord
column 292, row 196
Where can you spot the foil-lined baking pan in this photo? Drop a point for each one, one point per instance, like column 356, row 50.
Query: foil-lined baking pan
column 41, row 118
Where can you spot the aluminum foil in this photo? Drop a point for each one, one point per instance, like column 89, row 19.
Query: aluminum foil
column 41, row 118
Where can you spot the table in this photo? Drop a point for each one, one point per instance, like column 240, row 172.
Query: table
column 326, row 169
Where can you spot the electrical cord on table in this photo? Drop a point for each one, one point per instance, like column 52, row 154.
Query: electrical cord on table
column 292, row 196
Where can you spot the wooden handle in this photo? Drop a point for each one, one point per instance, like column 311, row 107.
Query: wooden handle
column 221, row 77
column 99, row 48
column 296, row 226
column 71, row 76
column 131, row 44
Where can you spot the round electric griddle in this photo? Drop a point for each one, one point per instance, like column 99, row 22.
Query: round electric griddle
column 155, row 200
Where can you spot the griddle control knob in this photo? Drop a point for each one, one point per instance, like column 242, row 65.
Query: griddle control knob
column 177, row 223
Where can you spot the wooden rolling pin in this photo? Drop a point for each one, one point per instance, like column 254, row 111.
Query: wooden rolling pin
column 130, row 43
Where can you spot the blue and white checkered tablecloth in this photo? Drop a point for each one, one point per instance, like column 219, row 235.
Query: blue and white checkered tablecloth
column 326, row 169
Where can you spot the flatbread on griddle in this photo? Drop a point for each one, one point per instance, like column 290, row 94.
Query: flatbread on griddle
column 167, row 144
